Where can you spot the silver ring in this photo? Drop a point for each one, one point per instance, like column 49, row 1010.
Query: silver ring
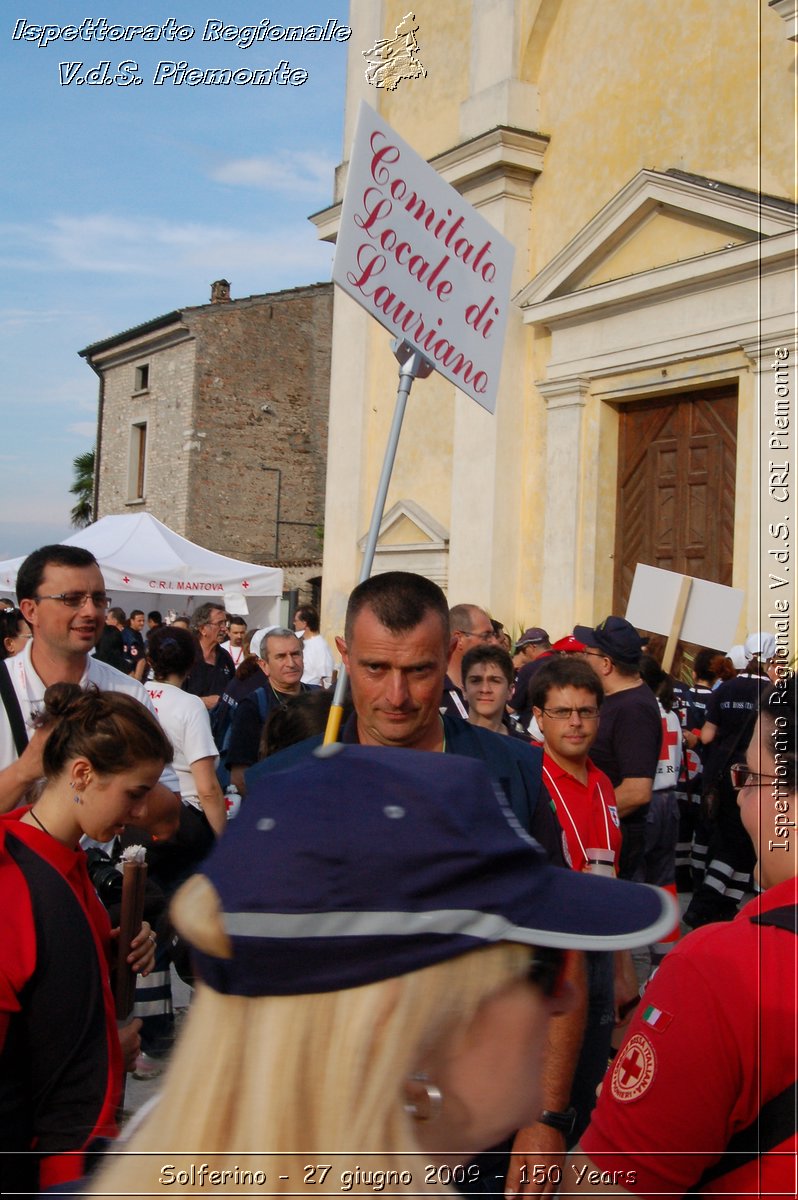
column 152, row 938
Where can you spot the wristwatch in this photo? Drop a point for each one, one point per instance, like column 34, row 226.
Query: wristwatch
column 562, row 1121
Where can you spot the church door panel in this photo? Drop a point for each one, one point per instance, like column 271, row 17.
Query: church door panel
column 676, row 471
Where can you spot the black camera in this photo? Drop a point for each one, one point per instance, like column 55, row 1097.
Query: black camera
column 106, row 879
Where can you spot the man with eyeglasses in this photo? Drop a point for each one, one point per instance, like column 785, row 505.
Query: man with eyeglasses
column 701, row 1097
column 469, row 626
column 629, row 739
column 62, row 596
column 213, row 667
column 566, row 699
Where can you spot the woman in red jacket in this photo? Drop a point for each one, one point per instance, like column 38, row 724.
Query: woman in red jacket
column 60, row 1056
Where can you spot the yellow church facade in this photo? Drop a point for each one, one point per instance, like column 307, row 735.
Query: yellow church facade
column 640, row 157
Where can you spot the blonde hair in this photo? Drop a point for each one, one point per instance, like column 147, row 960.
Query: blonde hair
column 309, row 1075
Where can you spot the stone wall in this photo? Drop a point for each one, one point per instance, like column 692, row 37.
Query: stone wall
column 236, row 409
column 165, row 405
column 260, row 424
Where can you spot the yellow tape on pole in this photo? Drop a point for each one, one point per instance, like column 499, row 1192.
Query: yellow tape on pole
column 333, row 724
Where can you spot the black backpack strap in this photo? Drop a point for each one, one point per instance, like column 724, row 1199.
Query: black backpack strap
column 775, row 1121
column 11, row 705
column 774, row 1124
column 780, row 918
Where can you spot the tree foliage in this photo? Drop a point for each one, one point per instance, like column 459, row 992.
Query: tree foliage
column 82, row 513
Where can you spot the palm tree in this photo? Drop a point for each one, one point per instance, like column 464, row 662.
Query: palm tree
column 83, row 465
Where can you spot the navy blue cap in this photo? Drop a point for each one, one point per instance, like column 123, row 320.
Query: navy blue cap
column 615, row 637
column 369, row 863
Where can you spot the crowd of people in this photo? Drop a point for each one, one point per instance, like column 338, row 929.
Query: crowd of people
column 396, row 953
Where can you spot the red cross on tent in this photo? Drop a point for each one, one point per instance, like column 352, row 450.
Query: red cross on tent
column 668, row 739
column 126, row 579
column 245, row 584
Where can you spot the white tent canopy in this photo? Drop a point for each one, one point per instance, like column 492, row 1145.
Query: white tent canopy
column 145, row 565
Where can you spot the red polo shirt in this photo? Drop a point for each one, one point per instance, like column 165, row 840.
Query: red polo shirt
column 701, row 1096
column 587, row 812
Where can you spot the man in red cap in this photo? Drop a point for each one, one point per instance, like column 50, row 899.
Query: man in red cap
column 569, row 645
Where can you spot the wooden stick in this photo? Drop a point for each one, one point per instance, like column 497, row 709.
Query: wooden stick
column 134, row 878
column 676, row 624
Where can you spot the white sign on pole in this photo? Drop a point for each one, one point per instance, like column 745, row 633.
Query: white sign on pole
column 421, row 260
column 710, row 618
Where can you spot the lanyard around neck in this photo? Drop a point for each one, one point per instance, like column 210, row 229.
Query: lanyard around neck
column 550, row 780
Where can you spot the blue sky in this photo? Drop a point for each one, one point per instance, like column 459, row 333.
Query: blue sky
column 120, row 203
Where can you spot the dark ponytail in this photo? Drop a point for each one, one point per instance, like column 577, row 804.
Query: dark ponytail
column 110, row 729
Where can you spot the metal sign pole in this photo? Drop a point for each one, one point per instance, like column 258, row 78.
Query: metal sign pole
column 412, row 365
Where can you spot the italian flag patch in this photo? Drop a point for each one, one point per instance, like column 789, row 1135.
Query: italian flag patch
column 656, row 1018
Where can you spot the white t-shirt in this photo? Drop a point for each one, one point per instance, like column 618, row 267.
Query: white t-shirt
column 187, row 723
column 318, row 661
column 670, row 756
column 30, row 692
column 235, row 652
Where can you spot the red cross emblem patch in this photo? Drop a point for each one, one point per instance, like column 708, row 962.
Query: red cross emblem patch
column 634, row 1070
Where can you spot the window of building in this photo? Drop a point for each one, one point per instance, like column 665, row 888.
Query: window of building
column 142, row 379
column 138, row 461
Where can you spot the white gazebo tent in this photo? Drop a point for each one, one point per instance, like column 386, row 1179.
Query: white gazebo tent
column 145, row 565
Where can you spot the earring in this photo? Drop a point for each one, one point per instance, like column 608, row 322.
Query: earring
column 75, row 793
column 434, row 1097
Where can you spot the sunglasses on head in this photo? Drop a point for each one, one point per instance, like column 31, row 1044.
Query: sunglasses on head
column 547, row 970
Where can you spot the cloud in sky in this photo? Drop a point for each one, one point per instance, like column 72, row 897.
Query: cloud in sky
column 20, row 318
column 109, row 244
column 172, row 188
column 53, row 393
column 290, row 172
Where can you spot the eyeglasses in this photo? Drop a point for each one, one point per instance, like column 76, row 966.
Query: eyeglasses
column 565, row 714
column 487, row 636
column 742, row 777
column 218, row 624
column 78, row 599
column 595, row 654
column 547, row 970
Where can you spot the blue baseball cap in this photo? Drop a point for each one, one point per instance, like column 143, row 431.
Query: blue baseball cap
column 369, row 863
column 615, row 637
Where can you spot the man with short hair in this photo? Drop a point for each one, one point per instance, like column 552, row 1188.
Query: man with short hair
column 535, row 648
column 236, row 628
column 396, row 648
column 487, row 682
column 317, row 656
column 62, row 597
column 469, row 626
column 282, row 662
column 629, row 739
column 133, row 642
column 110, row 648
column 213, row 667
